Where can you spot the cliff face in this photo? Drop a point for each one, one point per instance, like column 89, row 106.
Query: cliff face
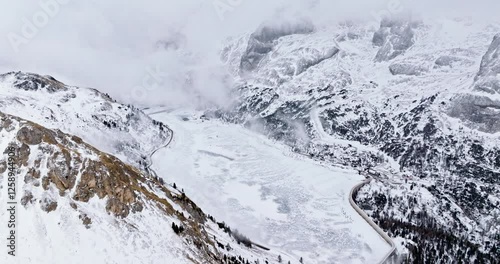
column 394, row 37
column 480, row 107
column 262, row 41
column 490, row 64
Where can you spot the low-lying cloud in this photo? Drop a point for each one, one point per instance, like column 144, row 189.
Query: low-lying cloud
column 166, row 51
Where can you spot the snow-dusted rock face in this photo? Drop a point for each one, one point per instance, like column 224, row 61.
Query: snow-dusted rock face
column 397, row 118
column 76, row 199
column 394, row 37
column 263, row 40
column 481, row 108
column 52, row 158
column 451, row 61
column 490, row 65
column 87, row 113
column 406, row 69
column 59, row 174
column 488, row 77
column 33, row 82
column 477, row 111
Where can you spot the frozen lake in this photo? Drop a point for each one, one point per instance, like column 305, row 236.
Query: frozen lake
column 274, row 196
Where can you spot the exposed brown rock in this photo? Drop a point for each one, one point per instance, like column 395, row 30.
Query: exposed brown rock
column 87, row 221
column 76, row 139
column 27, row 197
column 30, row 135
column 45, row 183
column 31, row 175
column 108, row 178
column 117, row 208
column 60, row 172
column 3, row 166
column 23, row 155
column 48, row 205
column 6, row 123
column 127, row 189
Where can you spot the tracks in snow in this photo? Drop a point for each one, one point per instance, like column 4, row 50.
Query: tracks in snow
column 387, row 257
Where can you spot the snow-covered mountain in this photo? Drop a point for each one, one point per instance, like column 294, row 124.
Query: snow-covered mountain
column 94, row 116
column 414, row 102
column 479, row 108
column 77, row 203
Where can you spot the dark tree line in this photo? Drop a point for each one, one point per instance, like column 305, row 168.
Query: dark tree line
column 433, row 243
column 177, row 229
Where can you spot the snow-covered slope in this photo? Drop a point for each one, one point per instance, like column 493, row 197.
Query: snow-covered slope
column 414, row 100
column 95, row 117
column 77, row 204
column 414, row 104
column 480, row 107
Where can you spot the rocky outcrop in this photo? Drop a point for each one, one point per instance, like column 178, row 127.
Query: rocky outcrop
column 69, row 171
column 394, row 38
column 261, row 42
column 451, row 61
column 33, row 82
column 488, row 77
column 402, row 68
column 490, row 64
column 481, row 110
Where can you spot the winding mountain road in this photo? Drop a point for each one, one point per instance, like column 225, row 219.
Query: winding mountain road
column 389, row 255
column 329, row 139
column 150, row 157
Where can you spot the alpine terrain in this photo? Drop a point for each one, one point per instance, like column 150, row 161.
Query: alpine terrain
column 346, row 142
column 79, row 203
column 412, row 104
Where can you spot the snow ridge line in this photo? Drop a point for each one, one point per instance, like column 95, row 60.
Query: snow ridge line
column 371, row 223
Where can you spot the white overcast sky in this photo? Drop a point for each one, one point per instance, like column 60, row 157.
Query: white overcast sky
column 110, row 44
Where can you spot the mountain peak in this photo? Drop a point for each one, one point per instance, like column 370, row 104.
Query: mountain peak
column 33, row 82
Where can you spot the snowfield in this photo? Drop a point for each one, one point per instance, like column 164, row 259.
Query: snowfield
column 275, row 197
column 60, row 237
